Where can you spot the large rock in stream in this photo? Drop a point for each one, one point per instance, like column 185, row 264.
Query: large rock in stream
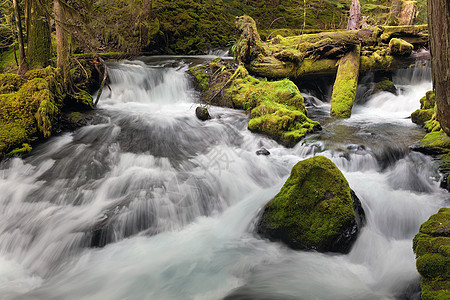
column 315, row 209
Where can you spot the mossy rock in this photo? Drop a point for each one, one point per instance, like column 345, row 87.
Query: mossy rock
column 400, row 47
column 437, row 142
column 276, row 107
column 315, row 209
column 432, row 248
column 428, row 101
column 385, row 85
column 421, row 116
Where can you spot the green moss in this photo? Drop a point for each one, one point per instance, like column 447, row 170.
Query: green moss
column 80, row 101
column 420, row 116
column 437, row 141
column 276, row 107
column 400, row 47
column 384, row 85
column 313, row 205
column 30, row 112
column 10, row 83
column 432, row 247
column 25, row 149
column 437, row 288
column 344, row 89
column 201, row 77
column 428, row 101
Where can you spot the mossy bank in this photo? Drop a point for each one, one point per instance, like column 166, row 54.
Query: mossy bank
column 31, row 106
column 432, row 248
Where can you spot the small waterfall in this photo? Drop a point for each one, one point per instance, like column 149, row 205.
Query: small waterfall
column 151, row 203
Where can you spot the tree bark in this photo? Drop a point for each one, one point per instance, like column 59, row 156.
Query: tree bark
column 23, row 66
column 354, row 20
column 439, row 26
column 39, row 43
column 62, row 45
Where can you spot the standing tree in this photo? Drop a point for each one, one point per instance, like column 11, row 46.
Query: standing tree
column 23, row 66
column 38, row 32
column 62, row 45
column 439, row 26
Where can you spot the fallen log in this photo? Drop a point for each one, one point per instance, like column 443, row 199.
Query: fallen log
column 344, row 88
column 312, row 54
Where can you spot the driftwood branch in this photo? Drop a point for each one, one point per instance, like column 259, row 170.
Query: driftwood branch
column 104, row 81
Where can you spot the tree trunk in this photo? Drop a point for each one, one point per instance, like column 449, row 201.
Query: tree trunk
column 354, row 20
column 439, row 26
column 23, row 66
column 62, row 45
column 39, row 43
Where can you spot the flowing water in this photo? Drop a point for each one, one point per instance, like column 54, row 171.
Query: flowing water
column 148, row 202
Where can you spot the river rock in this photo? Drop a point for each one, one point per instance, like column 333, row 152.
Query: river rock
column 315, row 209
column 202, row 113
column 263, row 151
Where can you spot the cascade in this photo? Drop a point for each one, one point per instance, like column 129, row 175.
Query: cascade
column 148, row 202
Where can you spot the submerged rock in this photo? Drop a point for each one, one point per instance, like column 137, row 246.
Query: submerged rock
column 315, row 209
column 432, row 248
column 202, row 113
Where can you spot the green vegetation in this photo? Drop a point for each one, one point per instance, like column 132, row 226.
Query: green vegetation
column 29, row 109
column 432, row 248
column 344, row 89
column 276, row 108
column 313, row 207
column 426, row 111
column 400, row 47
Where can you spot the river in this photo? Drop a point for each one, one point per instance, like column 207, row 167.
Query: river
column 148, row 202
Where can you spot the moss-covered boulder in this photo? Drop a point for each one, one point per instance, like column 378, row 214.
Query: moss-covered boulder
column 315, row 209
column 432, row 248
column 276, row 108
column 385, row 85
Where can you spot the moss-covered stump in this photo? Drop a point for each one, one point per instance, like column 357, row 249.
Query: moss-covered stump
column 344, row 88
column 432, row 248
column 276, row 108
column 315, row 209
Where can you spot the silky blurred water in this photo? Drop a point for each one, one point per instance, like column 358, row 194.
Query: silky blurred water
column 148, row 202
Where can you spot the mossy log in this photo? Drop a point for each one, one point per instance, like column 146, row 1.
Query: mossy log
column 344, row 89
column 312, row 54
